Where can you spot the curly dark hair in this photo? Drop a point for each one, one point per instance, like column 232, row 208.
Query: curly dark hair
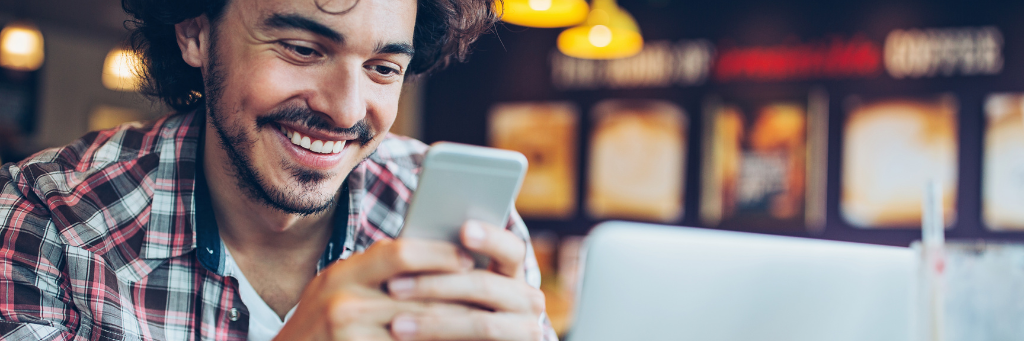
column 444, row 31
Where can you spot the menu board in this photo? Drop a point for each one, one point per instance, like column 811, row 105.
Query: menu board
column 637, row 161
column 755, row 170
column 892, row 148
column 1003, row 165
column 546, row 133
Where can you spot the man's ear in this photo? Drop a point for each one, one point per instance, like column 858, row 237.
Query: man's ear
column 193, row 37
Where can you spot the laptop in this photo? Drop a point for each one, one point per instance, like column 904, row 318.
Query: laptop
column 653, row 283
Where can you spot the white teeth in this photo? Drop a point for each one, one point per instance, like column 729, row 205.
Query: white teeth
column 316, row 146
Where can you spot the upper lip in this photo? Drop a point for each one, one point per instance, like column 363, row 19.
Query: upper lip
column 318, row 135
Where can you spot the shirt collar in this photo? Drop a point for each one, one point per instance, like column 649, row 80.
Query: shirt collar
column 169, row 231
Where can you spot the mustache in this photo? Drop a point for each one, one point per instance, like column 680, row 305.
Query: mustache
column 303, row 116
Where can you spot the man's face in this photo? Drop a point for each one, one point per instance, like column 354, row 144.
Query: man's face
column 300, row 91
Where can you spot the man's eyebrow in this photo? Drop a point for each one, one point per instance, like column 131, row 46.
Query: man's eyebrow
column 396, row 48
column 296, row 21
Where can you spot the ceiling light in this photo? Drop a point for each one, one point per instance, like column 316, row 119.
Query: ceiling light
column 609, row 33
column 542, row 13
column 21, row 46
column 120, row 70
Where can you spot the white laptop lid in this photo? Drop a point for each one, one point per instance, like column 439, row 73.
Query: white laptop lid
column 651, row 283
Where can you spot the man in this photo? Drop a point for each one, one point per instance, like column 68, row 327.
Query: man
column 266, row 206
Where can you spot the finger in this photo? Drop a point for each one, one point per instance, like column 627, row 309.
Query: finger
column 346, row 310
column 346, row 316
column 506, row 250
column 479, row 287
column 387, row 259
column 350, row 311
column 366, row 332
column 476, row 325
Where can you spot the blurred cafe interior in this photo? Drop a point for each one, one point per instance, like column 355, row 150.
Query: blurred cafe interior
column 813, row 119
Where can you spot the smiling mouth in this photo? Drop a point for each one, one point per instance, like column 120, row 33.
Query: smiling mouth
column 314, row 145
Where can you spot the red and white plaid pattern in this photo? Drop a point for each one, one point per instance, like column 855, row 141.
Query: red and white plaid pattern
column 97, row 238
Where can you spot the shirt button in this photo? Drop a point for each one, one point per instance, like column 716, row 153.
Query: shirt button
column 233, row 314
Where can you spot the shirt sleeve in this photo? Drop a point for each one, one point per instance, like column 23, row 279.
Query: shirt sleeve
column 35, row 303
column 518, row 227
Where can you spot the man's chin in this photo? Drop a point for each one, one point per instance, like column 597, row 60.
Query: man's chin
column 309, row 179
column 300, row 190
column 302, row 203
column 296, row 191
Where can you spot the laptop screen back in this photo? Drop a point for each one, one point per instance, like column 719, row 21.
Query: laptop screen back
column 651, row 283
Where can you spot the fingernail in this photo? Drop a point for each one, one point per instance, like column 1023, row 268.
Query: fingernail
column 474, row 234
column 401, row 286
column 403, row 326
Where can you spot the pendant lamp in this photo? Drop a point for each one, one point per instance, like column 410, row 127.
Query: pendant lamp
column 542, row 13
column 609, row 33
column 119, row 70
column 21, row 46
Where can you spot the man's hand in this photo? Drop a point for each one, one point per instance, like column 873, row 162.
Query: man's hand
column 511, row 308
column 345, row 301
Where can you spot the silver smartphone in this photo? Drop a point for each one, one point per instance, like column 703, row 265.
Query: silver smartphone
column 460, row 182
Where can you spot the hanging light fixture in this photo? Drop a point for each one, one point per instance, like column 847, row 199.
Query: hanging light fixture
column 542, row 13
column 21, row 46
column 609, row 33
column 119, row 70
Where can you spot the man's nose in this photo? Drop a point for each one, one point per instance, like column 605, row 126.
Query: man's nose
column 339, row 95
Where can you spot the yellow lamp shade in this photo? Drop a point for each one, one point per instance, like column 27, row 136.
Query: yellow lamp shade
column 21, row 46
column 608, row 33
column 542, row 13
column 119, row 70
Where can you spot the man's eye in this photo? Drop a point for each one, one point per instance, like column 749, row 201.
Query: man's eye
column 384, row 70
column 302, row 50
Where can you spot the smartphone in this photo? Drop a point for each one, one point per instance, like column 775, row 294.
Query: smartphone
column 460, row 182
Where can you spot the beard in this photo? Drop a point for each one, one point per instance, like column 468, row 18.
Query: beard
column 308, row 194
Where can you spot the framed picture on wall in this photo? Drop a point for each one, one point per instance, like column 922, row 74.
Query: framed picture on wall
column 546, row 132
column 637, row 161
column 1002, row 178
column 892, row 148
column 755, row 164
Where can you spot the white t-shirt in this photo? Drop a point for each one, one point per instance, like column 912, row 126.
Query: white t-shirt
column 264, row 323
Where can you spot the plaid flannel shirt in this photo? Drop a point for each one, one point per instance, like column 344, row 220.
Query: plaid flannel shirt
column 100, row 240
